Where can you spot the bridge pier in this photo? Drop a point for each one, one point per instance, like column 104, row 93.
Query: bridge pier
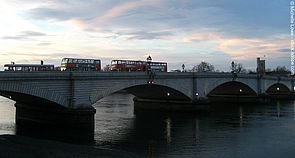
column 74, row 125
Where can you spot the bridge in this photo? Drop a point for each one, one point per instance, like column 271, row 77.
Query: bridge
column 67, row 97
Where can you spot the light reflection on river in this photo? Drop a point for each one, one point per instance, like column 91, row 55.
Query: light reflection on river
column 7, row 116
column 226, row 131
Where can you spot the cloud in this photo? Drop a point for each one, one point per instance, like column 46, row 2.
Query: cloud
column 25, row 35
column 120, row 10
column 44, row 44
column 86, row 10
column 241, row 48
column 143, row 35
column 203, row 36
column 131, row 15
column 284, row 50
column 32, row 33
column 54, row 10
column 54, row 13
column 43, row 54
column 13, row 37
column 186, row 16
column 245, row 49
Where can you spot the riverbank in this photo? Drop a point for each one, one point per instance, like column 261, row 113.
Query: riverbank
column 12, row 146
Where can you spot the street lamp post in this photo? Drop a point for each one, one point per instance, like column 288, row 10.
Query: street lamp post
column 233, row 70
column 148, row 69
column 148, row 61
column 183, row 66
column 232, row 66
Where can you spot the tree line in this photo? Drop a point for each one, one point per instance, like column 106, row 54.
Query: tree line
column 238, row 68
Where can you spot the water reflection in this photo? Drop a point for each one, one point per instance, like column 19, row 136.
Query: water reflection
column 278, row 109
column 168, row 130
column 7, row 116
column 241, row 116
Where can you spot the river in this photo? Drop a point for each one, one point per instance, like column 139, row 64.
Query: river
column 231, row 131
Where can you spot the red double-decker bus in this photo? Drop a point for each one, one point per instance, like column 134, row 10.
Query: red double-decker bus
column 75, row 64
column 137, row 65
column 128, row 65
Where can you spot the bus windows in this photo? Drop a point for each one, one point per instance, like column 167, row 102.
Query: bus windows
column 74, row 64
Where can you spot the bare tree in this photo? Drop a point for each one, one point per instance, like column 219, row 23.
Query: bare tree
column 238, row 68
column 107, row 68
column 204, row 67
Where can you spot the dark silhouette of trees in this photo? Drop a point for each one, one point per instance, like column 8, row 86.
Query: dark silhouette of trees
column 237, row 68
column 203, row 67
column 278, row 71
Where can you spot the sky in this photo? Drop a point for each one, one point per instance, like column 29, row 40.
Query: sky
column 175, row 31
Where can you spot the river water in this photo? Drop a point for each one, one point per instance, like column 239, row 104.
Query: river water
column 229, row 131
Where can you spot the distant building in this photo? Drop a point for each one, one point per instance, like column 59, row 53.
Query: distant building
column 260, row 66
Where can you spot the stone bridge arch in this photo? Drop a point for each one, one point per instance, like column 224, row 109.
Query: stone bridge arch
column 214, row 83
column 278, row 88
column 31, row 94
column 270, row 83
column 233, row 88
column 161, row 88
column 158, row 92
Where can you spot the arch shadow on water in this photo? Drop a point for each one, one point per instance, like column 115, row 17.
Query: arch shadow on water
column 233, row 91
column 58, row 133
column 54, row 123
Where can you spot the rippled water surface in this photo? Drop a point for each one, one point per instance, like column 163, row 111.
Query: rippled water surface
column 225, row 131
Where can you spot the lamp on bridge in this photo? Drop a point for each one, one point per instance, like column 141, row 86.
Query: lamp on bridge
column 232, row 67
column 149, row 70
column 233, row 70
column 148, row 61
